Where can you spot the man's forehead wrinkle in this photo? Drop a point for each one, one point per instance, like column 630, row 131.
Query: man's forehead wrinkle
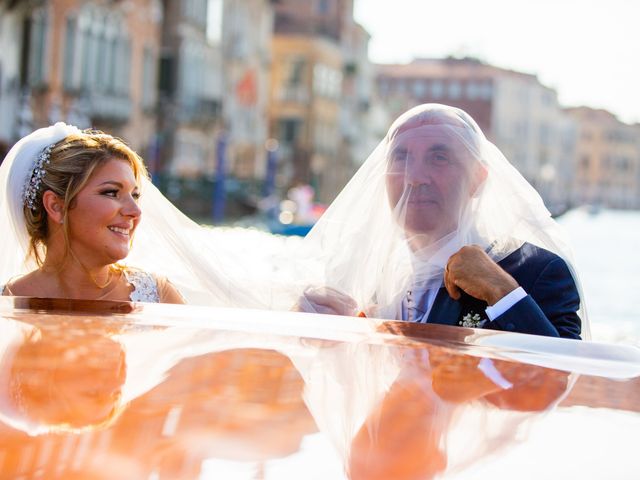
column 429, row 118
column 439, row 146
column 456, row 140
column 435, row 141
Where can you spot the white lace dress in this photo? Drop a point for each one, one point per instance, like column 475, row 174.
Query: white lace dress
column 145, row 286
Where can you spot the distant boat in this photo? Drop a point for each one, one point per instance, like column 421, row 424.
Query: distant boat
column 594, row 208
column 291, row 229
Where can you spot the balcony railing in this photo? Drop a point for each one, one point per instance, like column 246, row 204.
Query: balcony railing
column 109, row 107
column 200, row 110
column 293, row 94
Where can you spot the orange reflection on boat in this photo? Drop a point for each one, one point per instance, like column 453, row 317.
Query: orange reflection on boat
column 96, row 390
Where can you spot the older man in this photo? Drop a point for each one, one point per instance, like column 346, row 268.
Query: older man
column 462, row 240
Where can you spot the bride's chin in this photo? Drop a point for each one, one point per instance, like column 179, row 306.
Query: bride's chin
column 117, row 256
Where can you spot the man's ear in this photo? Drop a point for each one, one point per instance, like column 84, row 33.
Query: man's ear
column 54, row 205
column 479, row 175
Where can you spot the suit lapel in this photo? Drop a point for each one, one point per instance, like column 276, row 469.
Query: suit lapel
column 445, row 310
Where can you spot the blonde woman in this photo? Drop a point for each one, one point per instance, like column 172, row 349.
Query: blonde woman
column 71, row 202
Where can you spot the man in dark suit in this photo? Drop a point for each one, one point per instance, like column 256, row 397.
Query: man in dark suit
column 470, row 222
column 435, row 170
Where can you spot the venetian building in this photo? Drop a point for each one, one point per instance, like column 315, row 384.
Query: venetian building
column 190, row 96
column 10, row 35
column 515, row 111
column 307, row 93
column 357, row 122
column 607, row 162
column 246, row 34
column 90, row 63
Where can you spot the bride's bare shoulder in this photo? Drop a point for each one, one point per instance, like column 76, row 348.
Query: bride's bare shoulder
column 27, row 285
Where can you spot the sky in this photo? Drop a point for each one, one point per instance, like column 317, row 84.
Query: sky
column 587, row 50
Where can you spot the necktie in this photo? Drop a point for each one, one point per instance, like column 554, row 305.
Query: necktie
column 419, row 299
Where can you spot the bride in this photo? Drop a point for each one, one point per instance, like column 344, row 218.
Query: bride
column 71, row 205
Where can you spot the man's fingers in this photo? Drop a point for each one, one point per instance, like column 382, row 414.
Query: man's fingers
column 452, row 289
column 330, row 301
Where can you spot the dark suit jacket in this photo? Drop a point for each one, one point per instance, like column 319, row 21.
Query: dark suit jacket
column 549, row 309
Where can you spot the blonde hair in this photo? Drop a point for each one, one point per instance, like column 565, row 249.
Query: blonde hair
column 71, row 164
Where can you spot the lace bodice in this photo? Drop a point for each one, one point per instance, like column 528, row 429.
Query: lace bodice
column 145, row 286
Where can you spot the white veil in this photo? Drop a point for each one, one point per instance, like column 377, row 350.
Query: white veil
column 360, row 246
column 15, row 171
column 363, row 239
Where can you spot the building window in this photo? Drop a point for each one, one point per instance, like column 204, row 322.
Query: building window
column 100, row 66
column 585, row 161
column 545, row 134
column 37, row 48
column 419, row 88
column 295, row 75
column 294, row 85
column 383, row 85
column 322, row 7
column 289, row 129
column 326, row 81
column 195, row 11
column 437, row 89
column 110, row 48
column 148, row 78
column 70, row 79
column 122, row 63
column 473, row 90
column 486, row 91
column 547, row 98
column 455, row 90
column 97, row 53
column 623, row 164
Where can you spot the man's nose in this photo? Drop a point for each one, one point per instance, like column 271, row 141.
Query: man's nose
column 417, row 172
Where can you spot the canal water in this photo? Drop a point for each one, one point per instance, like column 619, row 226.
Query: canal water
column 606, row 247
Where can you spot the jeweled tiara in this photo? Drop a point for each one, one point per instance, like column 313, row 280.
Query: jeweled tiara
column 32, row 186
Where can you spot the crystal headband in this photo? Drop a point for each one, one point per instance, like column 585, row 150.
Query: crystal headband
column 32, row 186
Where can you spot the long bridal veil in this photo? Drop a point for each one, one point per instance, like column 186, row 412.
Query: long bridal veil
column 369, row 244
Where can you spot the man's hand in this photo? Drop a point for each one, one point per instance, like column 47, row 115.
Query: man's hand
column 326, row 300
column 471, row 270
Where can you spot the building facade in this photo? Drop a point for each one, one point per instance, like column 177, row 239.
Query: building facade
column 10, row 35
column 607, row 161
column 191, row 90
column 89, row 63
column 318, row 52
column 246, row 35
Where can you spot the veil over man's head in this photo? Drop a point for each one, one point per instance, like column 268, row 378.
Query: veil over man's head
column 434, row 168
column 434, row 184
